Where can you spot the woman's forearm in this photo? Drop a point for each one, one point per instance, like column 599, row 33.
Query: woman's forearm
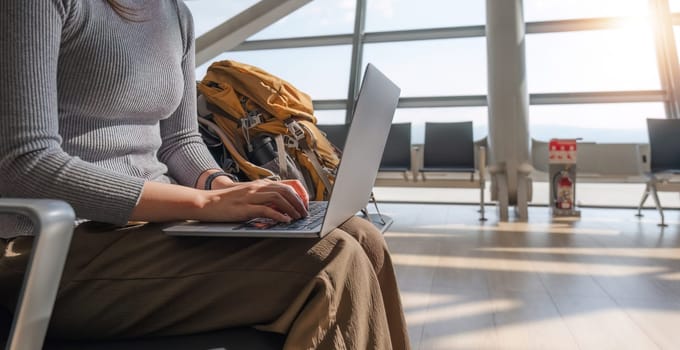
column 217, row 183
column 166, row 202
column 161, row 202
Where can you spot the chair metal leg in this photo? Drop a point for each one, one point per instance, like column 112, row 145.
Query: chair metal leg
column 481, row 169
column 642, row 201
column 655, row 196
column 481, row 200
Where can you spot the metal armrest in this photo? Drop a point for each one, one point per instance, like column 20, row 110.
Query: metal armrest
column 53, row 223
column 481, row 163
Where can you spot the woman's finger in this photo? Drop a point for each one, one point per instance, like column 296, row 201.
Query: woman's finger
column 286, row 192
column 263, row 211
column 299, row 189
column 276, row 200
column 291, row 195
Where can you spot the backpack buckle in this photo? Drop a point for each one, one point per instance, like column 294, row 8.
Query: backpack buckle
column 290, row 142
column 295, row 129
column 252, row 119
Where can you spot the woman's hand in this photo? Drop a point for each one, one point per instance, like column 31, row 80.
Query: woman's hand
column 238, row 202
column 299, row 189
column 262, row 198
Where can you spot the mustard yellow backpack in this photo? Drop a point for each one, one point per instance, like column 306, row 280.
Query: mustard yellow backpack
column 266, row 127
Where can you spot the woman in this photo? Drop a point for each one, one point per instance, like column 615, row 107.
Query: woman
column 99, row 110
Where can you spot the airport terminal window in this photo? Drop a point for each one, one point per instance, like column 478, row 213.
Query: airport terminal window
column 598, row 60
column 418, row 117
column 606, row 122
column 319, row 17
column 675, row 5
column 211, row 13
column 321, row 81
column 433, row 67
column 549, row 10
column 384, row 15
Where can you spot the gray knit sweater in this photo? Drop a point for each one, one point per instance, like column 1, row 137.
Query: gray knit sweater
column 93, row 105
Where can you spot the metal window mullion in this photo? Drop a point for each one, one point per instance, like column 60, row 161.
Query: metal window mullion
column 662, row 67
column 597, row 97
column 574, row 25
column 290, row 43
column 667, row 56
column 561, row 98
column 356, row 63
column 430, row 34
column 425, row 34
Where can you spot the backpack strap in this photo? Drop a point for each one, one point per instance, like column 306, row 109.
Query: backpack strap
column 323, row 173
column 244, row 163
column 281, row 151
column 298, row 132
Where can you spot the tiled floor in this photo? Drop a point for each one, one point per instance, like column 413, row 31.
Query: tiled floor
column 608, row 280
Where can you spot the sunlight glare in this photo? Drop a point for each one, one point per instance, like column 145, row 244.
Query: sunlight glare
column 526, row 228
column 635, row 252
column 412, row 300
column 464, row 309
column 525, row 265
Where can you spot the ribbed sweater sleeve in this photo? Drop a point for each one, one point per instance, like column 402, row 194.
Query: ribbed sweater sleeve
column 32, row 161
column 183, row 150
column 93, row 104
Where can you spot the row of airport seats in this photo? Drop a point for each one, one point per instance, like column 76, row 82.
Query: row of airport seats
column 449, row 151
column 448, row 157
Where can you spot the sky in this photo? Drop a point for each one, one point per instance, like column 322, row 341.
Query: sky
column 604, row 60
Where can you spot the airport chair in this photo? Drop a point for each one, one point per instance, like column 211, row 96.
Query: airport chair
column 450, row 148
column 397, row 155
column 54, row 222
column 664, row 161
column 335, row 133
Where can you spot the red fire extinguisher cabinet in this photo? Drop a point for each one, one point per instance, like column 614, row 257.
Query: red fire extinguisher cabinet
column 562, row 177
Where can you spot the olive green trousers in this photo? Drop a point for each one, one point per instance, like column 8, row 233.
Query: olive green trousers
column 338, row 292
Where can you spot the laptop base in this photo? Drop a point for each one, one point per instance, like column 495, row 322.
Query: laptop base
column 381, row 221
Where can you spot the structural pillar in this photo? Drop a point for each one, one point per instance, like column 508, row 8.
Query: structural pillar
column 508, row 100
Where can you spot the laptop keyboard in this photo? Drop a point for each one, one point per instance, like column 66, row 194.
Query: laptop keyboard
column 317, row 211
column 316, row 215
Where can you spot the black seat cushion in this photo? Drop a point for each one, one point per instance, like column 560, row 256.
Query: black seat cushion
column 663, row 145
column 232, row 338
column 5, row 324
column 448, row 147
column 397, row 154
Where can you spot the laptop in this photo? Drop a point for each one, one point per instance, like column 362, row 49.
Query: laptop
column 354, row 180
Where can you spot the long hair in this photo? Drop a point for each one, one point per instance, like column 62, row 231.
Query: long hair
column 123, row 11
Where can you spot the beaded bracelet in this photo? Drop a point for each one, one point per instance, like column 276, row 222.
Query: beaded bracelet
column 213, row 176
